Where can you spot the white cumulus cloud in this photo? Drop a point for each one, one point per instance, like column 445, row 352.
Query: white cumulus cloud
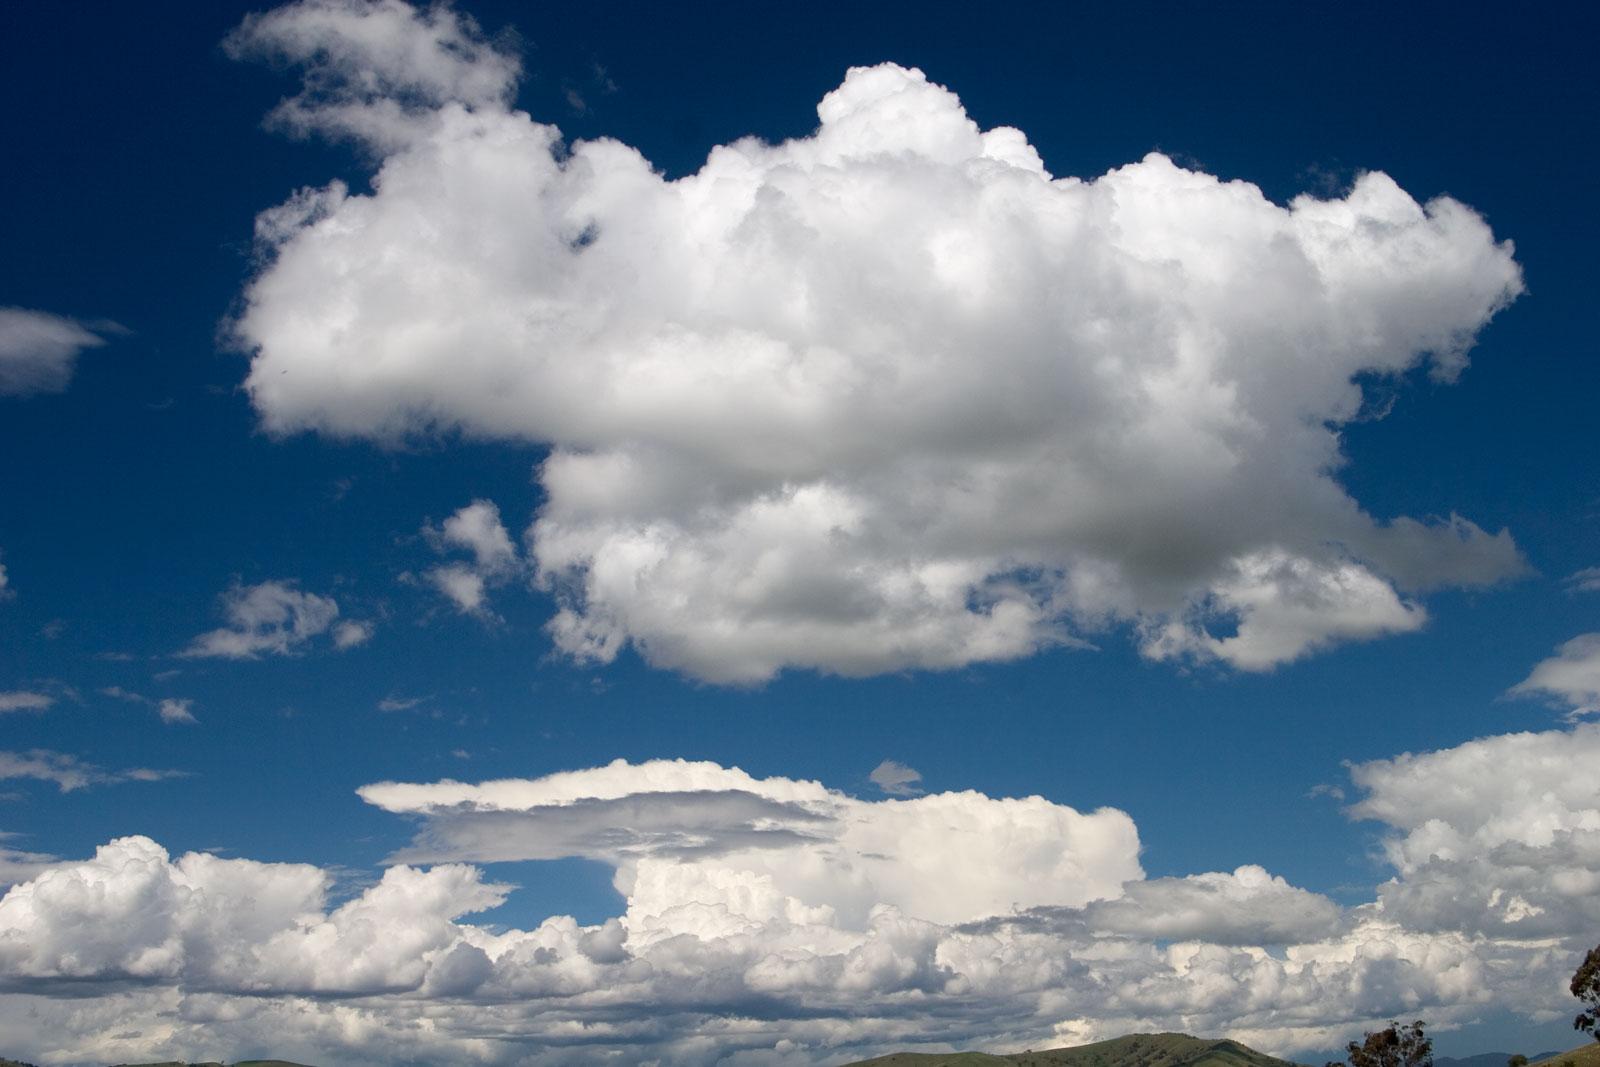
column 38, row 351
column 888, row 396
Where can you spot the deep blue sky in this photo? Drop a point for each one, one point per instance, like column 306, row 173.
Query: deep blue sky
column 135, row 162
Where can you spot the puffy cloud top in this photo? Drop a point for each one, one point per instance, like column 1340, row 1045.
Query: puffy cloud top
column 1499, row 834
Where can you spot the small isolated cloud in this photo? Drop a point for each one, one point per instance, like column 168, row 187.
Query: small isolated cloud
column 463, row 586
column 394, row 703
column 476, row 529
column 1325, row 789
column 1585, row 581
column 887, row 396
column 170, row 709
column 68, row 772
column 1571, row 676
column 24, row 700
column 274, row 618
column 352, row 632
column 173, row 710
column 38, row 351
column 896, row 778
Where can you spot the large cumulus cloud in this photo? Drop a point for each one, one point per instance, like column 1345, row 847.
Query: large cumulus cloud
column 773, row 920
column 888, row 396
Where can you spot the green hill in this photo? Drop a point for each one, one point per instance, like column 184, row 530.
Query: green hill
column 1135, row 1050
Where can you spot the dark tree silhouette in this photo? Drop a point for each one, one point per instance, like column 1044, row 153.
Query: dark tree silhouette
column 1586, row 987
column 1394, row 1046
column 1519, row 1060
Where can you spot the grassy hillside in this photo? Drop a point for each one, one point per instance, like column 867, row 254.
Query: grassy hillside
column 1582, row 1056
column 1135, row 1050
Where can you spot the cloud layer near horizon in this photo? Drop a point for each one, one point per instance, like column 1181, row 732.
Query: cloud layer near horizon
column 774, row 920
column 888, row 396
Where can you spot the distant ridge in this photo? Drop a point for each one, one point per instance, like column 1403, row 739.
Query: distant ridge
column 1135, row 1050
column 215, row 1063
column 179, row 1063
column 1487, row 1059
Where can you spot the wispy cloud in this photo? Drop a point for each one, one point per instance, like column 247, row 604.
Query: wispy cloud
column 69, row 773
column 172, row 710
column 38, row 351
column 24, row 700
column 1586, row 580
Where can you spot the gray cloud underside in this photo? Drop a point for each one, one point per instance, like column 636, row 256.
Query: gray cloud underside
column 683, row 824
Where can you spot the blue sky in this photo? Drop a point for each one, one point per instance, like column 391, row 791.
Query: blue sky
column 1116, row 442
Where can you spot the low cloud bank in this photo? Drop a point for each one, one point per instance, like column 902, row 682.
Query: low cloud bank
column 776, row 920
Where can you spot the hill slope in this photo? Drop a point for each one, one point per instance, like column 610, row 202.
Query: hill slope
column 1135, row 1050
column 1582, row 1056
